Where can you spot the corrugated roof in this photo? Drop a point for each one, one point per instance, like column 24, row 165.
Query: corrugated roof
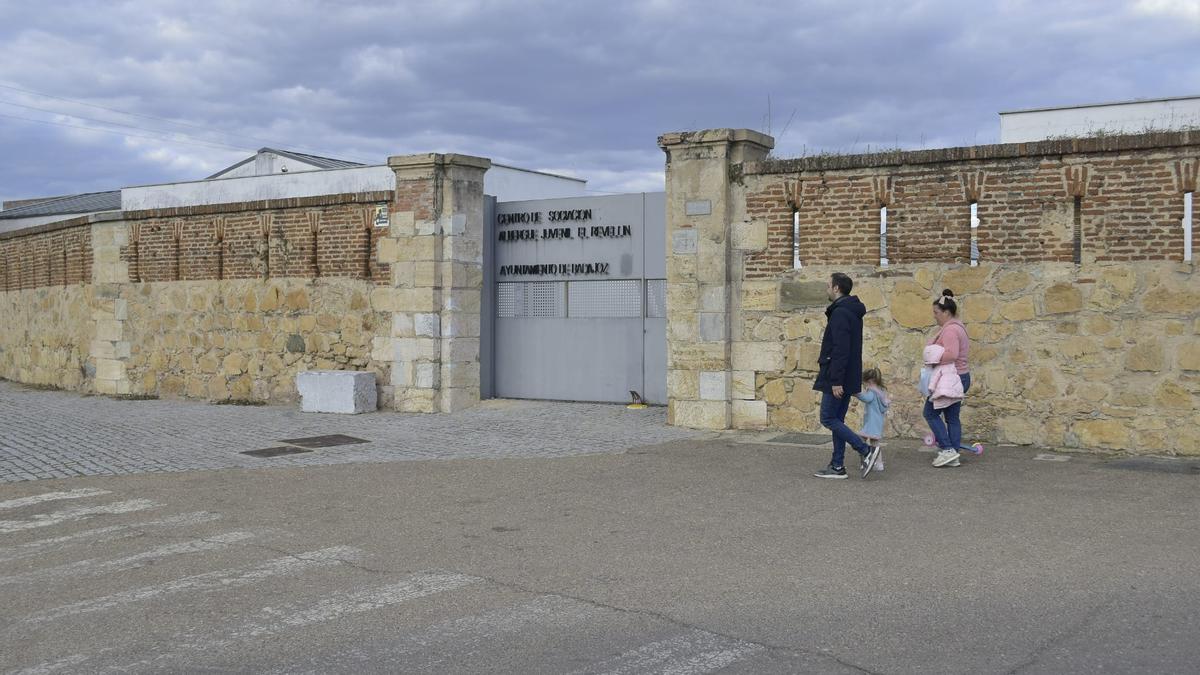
column 89, row 202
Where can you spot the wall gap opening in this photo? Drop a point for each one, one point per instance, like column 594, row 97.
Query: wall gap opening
column 1187, row 226
column 974, row 233
column 796, row 240
column 883, row 255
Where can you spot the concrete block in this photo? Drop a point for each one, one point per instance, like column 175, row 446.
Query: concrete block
column 712, row 327
column 337, row 391
column 427, row 325
column 714, row 385
column 749, row 414
column 743, row 384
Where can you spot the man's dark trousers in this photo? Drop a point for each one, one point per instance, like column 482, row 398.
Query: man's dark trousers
column 833, row 417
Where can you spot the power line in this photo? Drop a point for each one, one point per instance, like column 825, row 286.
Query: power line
column 126, row 133
column 122, row 124
column 282, row 144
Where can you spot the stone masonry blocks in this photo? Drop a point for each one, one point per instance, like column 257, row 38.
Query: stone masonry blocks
column 336, row 391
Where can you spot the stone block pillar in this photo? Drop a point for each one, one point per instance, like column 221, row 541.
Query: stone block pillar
column 701, row 280
column 434, row 246
column 110, row 348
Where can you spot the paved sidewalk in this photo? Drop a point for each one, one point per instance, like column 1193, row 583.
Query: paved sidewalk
column 52, row 434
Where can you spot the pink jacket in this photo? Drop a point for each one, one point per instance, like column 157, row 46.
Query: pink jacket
column 953, row 337
column 945, row 386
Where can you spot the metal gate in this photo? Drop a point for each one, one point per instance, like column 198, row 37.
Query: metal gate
column 575, row 299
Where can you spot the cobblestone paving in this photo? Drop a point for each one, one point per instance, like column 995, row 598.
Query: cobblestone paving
column 51, row 434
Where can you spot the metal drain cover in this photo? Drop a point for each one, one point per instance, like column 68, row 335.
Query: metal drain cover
column 324, row 441
column 1156, row 465
column 275, row 452
column 803, row 439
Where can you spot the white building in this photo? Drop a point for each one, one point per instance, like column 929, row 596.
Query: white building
column 1124, row 117
column 278, row 174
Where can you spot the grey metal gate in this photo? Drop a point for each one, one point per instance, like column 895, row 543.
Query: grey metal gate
column 577, row 295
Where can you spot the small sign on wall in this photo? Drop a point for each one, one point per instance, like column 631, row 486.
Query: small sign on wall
column 381, row 215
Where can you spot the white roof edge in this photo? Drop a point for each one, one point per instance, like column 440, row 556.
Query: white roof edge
column 1101, row 105
column 211, row 180
column 543, row 173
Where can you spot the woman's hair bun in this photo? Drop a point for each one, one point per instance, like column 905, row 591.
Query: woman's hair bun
column 946, row 292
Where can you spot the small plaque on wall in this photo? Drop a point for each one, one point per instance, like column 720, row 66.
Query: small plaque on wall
column 699, row 207
column 683, row 242
column 381, row 215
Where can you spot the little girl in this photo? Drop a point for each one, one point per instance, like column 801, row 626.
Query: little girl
column 875, row 399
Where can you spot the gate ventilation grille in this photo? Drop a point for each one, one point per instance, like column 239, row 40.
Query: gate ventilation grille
column 614, row 299
column 533, row 299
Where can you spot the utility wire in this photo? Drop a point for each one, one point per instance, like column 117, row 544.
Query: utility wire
column 168, row 135
column 126, row 133
column 281, row 144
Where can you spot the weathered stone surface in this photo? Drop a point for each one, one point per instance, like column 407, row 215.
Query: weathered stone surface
column 870, row 295
column 924, row 278
column 1019, row 310
column 1146, row 355
column 749, row 414
column 1061, row 299
column 749, row 236
column 760, row 296
column 1011, row 282
column 702, row 414
column 756, row 356
column 1171, row 396
column 714, row 385
column 335, row 391
column 1101, row 433
column 683, row 384
column 911, row 308
column 978, row 309
column 775, row 392
column 1188, row 356
column 743, row 385
column 803, row 294
column 966, row 280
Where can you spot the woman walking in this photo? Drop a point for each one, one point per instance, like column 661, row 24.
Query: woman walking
column 952, row 337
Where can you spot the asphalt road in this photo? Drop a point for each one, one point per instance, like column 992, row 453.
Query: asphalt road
column 696, row 556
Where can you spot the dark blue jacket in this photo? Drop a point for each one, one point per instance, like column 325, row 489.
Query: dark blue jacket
column 841, row 347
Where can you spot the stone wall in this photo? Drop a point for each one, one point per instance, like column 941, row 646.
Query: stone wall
column 229, row 301
column 45, row 336
column 1099, row 354
column 245, row 340
column 1107, row 357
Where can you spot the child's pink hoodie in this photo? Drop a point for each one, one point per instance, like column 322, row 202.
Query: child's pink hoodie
column 945, row 386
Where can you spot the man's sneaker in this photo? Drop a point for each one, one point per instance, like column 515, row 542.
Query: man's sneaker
column 946, row 458
column 831, row 472
column 868, row 460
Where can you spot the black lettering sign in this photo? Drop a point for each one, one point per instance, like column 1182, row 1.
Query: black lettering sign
column 554, row 269
column 570, row 214
column 528, row 217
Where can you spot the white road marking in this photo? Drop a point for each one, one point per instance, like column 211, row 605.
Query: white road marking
column 85, row 568
column 445, row 641
column 297, row 615
column 694, row 652
column 50, row 497
column 220, row 580
column 43, row 546
column 66, row 515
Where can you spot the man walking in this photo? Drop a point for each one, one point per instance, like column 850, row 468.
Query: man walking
column 840, row 375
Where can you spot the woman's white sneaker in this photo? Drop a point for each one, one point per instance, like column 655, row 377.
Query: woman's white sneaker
column 946, row 458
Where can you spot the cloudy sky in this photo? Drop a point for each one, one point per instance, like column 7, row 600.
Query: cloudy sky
column 96, row 95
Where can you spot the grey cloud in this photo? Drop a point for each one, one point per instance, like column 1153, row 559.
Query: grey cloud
column 583, row 88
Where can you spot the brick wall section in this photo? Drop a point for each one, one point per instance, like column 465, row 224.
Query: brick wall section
column 1130, row 188
column 59, row 254
column 341, row 243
